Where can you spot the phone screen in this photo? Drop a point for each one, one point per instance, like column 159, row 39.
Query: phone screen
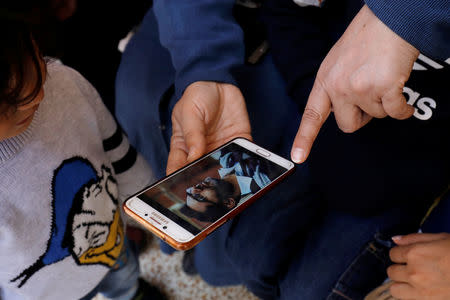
column 205, row 191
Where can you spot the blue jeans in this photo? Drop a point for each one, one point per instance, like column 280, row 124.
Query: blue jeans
column 344, row 256
column 121, row 282
column 336, row 255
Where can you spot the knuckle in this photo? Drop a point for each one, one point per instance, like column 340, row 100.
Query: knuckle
column 377, row 109
column 340, row 86
column 390, row 271
column 401, row 113
column 416, row 277
column 177, row 142
column 380, row 114
column 312, row 114
column 334, row 81
column 360, row 84
column 411, row 254
column 385, row 79
column 402, row 79
column 349, row 127
column 445, row 235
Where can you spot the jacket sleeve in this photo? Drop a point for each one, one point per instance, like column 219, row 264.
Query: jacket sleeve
column 423, row 24
column 203, row 38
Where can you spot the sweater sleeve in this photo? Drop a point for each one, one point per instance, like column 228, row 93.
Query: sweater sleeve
column 130, row 168
column 203, row 39
column 423, row 24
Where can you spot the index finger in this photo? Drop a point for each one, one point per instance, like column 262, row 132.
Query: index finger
column 414, row 238
column 317, row 110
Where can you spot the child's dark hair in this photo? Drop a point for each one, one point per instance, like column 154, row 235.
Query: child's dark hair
column 21, row 24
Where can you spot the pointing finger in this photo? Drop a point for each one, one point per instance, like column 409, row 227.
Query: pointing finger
column 316, row 112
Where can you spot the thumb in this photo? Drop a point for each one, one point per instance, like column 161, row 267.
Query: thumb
column 188, row 141
column 317, row 110
column 194, row 133
column 403, row 240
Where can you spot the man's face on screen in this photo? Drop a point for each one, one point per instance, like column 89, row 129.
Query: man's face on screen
column 209, row 192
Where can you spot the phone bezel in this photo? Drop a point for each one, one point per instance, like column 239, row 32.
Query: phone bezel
column 175, row 234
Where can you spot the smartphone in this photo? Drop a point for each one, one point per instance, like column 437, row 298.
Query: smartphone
column 187, row 205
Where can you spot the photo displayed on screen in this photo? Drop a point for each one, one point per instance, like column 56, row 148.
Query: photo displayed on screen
column 213, row 186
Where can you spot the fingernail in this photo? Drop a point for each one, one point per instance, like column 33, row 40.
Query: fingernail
column 298, row 155
column 397, row 238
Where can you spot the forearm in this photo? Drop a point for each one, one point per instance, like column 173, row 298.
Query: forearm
column 203, row 39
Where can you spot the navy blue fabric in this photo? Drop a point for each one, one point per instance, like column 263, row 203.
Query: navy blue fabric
column 424, row 24
column 272, row 238
column 338, row 242
column 399, row 162
column 143, row 86
column 255, row 248
column 438, row 220
column 300, row 38
column 196, row 33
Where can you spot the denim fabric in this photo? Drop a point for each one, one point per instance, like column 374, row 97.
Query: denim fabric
column 121, row 282
column 255, row 248
column 344, row 256
column 366, row 271
column 369, row 267
column 438, row 220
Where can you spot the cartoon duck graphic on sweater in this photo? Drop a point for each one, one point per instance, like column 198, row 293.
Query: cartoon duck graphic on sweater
column 86, row 221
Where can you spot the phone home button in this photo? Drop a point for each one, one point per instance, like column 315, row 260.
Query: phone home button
column 262, row 152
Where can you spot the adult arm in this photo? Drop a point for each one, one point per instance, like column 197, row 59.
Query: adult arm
column 361, row 77
column 364, row 74
column 205, row 44
column 203, row 39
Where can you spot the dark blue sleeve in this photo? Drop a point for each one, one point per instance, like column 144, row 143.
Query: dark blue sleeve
column 423, row 24
column 203, row 38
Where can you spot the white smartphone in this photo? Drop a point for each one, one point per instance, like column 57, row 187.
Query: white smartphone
column 187, row 205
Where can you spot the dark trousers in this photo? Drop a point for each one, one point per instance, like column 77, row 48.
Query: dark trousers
column 287, row 244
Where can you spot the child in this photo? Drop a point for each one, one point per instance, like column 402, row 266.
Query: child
column 65, row 166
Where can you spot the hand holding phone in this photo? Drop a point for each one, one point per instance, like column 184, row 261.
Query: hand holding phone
column 184, row 207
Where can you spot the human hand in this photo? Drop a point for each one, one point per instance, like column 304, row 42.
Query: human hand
column 361, row 77
column 208, row 115
column 422, row 269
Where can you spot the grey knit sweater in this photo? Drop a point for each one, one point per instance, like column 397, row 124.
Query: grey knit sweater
column 61, row 186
